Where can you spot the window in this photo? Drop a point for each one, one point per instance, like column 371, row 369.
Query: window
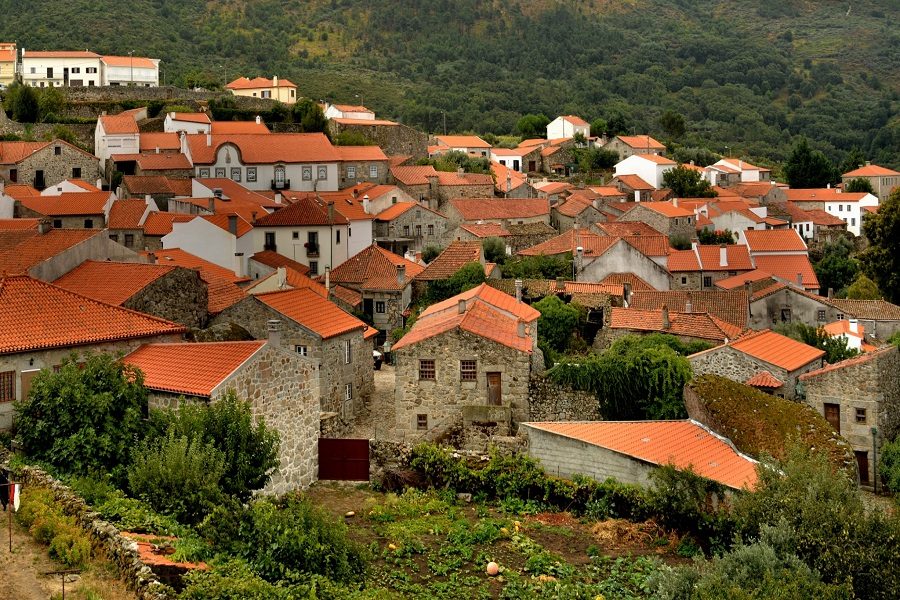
column 337, row 236
column 422, row 422
column 322, row 173
column 220, row 172
column 269, row 242
column 785, row 315
column 251, row 174
column 235, row 173
column 204, row 173
column 431, row 230
column 348, row 348
column 90, row 70
column 57, row 223
column 266, row 94
column 853, row 221
column 684, row 281
column 467, row 370
column 33, row 70
column 394, row 199
column 379, row 306
column 373, row 171
column 426, row 369
column 279, row 176
column 57, row 150
column 406, row 230
column 351, row 172
column 418, row 231
column 7, row 386
column 840, row 317
column 807, row 227
column 860, row 415
column 129, row 240
column 88, row 223
column 13, row 175
column 840, row 208
column 301, row 350
column 348, row 392
column 313, row 267
column 820, row 315
column 707, row 281
column 114, row 237
column 76, row 69
column 307, row 174
column 76, row 172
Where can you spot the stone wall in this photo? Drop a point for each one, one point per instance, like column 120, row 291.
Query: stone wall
column 136, row 241
column 98, row 247
column 362, row 172
column 393, row 139
column 84, row 132
column 120, row 550
column 737, row 366
column 404, row 226
column 442, row 399
column 549, row 401
column 56, row 167
column 179, row 296
column 766, row 312
column 97, row 221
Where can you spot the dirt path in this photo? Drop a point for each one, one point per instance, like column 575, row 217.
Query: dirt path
column 23, row 570
column 379, row 421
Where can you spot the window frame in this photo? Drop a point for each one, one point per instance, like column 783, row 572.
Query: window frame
column 301, row 349
column 427, row 369
column 380, row 306
column 348, row 351
column 7, row 386
column 251, row 174
column 373, row 171
column 861, row 412
column 306, row 173
column 468, row 370
column 421, row 422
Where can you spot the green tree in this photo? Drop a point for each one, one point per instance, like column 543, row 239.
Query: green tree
column 863, row 288
column 592, row 158
column 881, row 260
column 310, row 116
column 466, row 278
column 837, row 269
column 538, row 267
column 808, row 168
column 835, row 347
column 430, row 253
column 454, row 160
column 705, row 236
column 531, row 126
column 673, row 123
column 51, row 102
column 494, row 250
column 352, row 138
column 854, row 160
column 22, row 103
column 557, row 323
column 598, row 126
column 687, row 183
column 889, row 467
column 85, row 417
column 860, row 184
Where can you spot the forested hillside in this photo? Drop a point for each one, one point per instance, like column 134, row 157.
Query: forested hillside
column 748, row 75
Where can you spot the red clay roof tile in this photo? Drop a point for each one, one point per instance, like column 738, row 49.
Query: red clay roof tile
column 312, row 311
column 776, row 349
column 111, row 282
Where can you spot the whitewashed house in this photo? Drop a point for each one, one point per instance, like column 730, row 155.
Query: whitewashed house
column 187, row 122
column 849, row 207
column 61, row 68
column 130, row 70
column 568, row 126
column 116, row 134
column 649, row 167
column 749, row 173
column 222, row 239
column 348, row 111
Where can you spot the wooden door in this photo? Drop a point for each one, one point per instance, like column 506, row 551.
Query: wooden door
column 833, row 415
column 494, row 389
column 862, row 461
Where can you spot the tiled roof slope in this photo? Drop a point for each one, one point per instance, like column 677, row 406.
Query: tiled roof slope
column 312, row 311
column 126, row 214
column 850, row 362
column 193, row 369
column 36, row 315
column 375, row 268
column 68, row 203
column 265, row 148
column 305, row 211
column 694, row 324
column 875, row 310
column 111, row 282
column 474, row 209
column 682, row 444
column 275, row 260
column 18, row 224
column 729, row 306
column 774, row 240
column 222, row 291
column 776, row 349
column 871, row 171
column 37, row 248
column 764, row 379
column 160, row 223
column 452, row 259
column 787, row 267
column 637, row 284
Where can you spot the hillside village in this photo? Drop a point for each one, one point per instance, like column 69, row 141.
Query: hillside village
column 408, row 287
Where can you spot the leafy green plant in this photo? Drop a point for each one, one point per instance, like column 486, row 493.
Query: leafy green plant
column 557, row 323
column 45, row 521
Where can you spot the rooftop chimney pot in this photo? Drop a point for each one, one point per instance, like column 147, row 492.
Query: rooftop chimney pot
column 273, row 328
column 461, row 306
column 666, row 324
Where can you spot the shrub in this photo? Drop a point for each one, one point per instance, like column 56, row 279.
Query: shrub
column 177, row 476
column 557, row 322
column 45, row 521
column 889, row 466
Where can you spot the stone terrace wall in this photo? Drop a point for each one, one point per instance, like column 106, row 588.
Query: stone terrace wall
column 549, row 401
column 122, row 552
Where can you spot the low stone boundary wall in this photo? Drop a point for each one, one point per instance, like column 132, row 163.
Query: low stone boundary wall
column 123, row 552
column 549, row 401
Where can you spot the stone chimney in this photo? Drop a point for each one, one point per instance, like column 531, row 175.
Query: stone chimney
column 151, row 258
column 433, row 187
column 854, row 326
column 208, row 140
column 830, row 293
column 401, row 274
column 211, row 205
column 44, row 225
column 232, row 225
column 273, row 329
column 518, row 290
column 328, row 279
column 520, row 328
column 281, row 274
column 461, row 306
column 157, row 149
column 331, row 212
column 579, row 261
column 800, row 280
column 723, row 256
column 666, row 324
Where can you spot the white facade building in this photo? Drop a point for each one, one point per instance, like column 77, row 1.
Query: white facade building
column 130, row 70
column 229, row 247
column 61, row 68
column 347, row 111
column 649, row 167
column 568, row 126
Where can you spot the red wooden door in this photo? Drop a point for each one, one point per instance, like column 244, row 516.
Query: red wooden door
column 495, row 397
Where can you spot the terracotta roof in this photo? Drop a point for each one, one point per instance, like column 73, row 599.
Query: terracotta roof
column 787, row 266
column 606, row 191
column 634, row 182
column 293, row 279
column 574, row 206
column 365, row 122
column 395, row 210
column 476, row 209
column 682, row 444
column 485, row 230
column 68, row 204
column 111, row 282
column 595, row 245
column 418, row 175
column 737, row 281
column 192, row 369
column 27, row 253
column 627, row 228
column 776, row 349
column 871, row 171
column 641, row 142
column 265, row 148
column 151, row 161
column 695, row 324
column 656, row 158
column 774, row 240
column 231, row 127
column 375, row 268
column 504, row 175
column 509, row 152
column 351, row 297
column 872, row 310
column 729, row 306
column 457, row 255
column 151, row 140
column 139, row 185
column 119, row 124
column 488, row 313
column 275, row 260
column 585, row 293
column 19, row 191
column 242, row 83
column 552, row 187
column 60, row 54
column 764, row 379
column 839, row 328
column 360, row 153
column 352, row 108
column 189, row 117
column 574, row 120
column 36, row 315
column 15, row 152
column 160, row 223
column 823, row 195
column 126, row 214
column 18, row 224
column 305, row 211
column 667, row 209
column 222, row 290
column 683, row 260
column 462, row 141
column 233, row 192
column 313, row 312
column 737, row 258
column 138, row 62
column 637, row 284
column 850, row 362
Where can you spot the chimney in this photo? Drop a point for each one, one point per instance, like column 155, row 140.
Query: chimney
column 208, row 140
column 666, row 324
column 694, row 243
column 626, row 294
column 365, row 204
column 854, row 326
column 232, row 225
column 211, row 206
column 239, row 264
column 674, row 201
column 828, row 186
column 258, row 120
column 273, row 328
column 331, row 212
column 830, row 293
column 328, row 279
column 281, row 274
column 579, row 261
column 518, row 290
column 723, row 256
column 102, row 113
column 748, row 287
column 800, row 280
column 275, row 81
column 277, row 197
column 560, row 284
column 868, row 163
column 688, row 305
column 401, row 274
column 44, row 225
column 461, row 306
column 182, row 140
column 637, row 196
column 217, row 192
column 520, row 329
column 100, row 185
column 151, row 258
column 460, row 171
column 433, row 186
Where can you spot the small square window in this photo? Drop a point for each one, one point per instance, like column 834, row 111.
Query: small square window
column 684, row 281
column 220, row 172
column 114, row 237
column 820, row 315
column 840, row 317
column 467, row 370
column 57, row 150
column 295, row 235
column 129, row 240
column 307, row 173
column 422, row 422
column 426, row 369
column 236, row 174
column 860, row 415
column 302, row 350
column 57, row 223
column 351, row 172
column 88, row 223
column 313, row 267
column 7, row 386
column 204, row 173
column 379, row 306
column 707, row 281
column 251, row 174
column 76, row 172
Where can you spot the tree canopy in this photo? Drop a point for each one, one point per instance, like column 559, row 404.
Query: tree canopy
column 808, row 168
column 860, row 184
column 881, row 260
column 687, row 183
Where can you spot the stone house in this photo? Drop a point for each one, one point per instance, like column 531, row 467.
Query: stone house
column 559, row 157
column 68, row 210
column 634, row 187
column 880, row 318
column 362, row 164
column 165, row 291
column 384, row 282
column 883, row 180
column 44, row 164
column 44, row 324
column 479, row 232
column 508, row 181
column 157, row 225
column 447, row 263
column 126, row 221
column 703, row 265
column 604, row 449
column 467, row 144
column 409, row 227
column 668, row 218
column 316, row 328
column 424, row 183
column 527, row 235
column 578, row 210
column 469, row 359
column 628, row 145
column 496, row 210
column 281, row 387
column 686, row 326
column 860, row 398
column 749, row 355
column 175, row 165
column 262, row 264
column 729, row 306
column 160, row 189
column 773, row 302
column 394, row 138
column 553, row 191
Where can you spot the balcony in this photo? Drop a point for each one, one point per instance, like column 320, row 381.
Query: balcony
column 312, row 250
column 281, row 185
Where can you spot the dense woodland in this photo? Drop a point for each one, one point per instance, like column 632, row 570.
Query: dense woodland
column 747, row 76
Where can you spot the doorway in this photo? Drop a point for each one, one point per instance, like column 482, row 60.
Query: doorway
column 833, row 415
column 495, row 396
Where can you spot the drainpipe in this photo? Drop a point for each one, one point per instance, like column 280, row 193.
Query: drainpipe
column 875, row 459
